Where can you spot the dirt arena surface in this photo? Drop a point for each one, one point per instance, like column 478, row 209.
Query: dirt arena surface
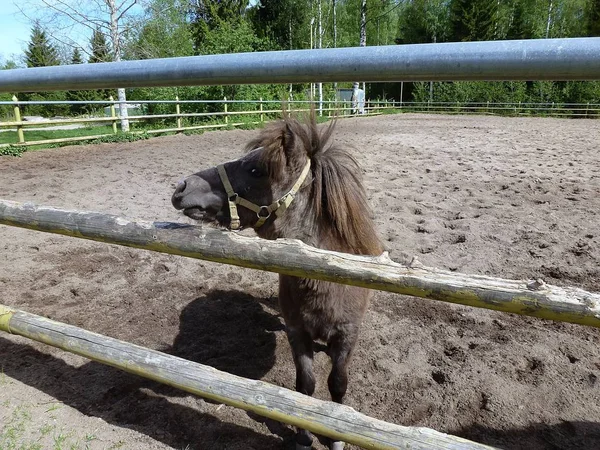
column 508, row 197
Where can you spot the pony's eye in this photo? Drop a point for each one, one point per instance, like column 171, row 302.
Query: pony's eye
column 256, row 172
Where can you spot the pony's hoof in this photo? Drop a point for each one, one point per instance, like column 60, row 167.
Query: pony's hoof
column 336, row 445
column 303, row 440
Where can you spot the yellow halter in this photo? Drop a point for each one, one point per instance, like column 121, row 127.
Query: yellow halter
column 262, row 212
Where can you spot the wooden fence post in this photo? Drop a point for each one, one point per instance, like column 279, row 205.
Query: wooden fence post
column 20, row 134
column 113, row 114
column 226, row 116
column 262, row 116
column 178, row 111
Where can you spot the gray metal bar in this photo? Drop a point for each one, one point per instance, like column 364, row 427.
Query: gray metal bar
column 542, row 59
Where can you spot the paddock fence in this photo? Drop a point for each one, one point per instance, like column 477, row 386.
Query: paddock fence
column 291, row 257
column 233, row 113
column 325, row 418
column 239, row 113
column 551, row 59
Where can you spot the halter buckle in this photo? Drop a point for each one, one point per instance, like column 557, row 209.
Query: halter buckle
column 233, row 198
column 263, row 208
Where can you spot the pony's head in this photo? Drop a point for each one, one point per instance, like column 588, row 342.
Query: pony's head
column 286, row 177
column 254, row 189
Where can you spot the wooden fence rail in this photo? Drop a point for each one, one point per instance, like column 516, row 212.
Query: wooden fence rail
column 325, row 418
column 338, row 108
column 292, row 257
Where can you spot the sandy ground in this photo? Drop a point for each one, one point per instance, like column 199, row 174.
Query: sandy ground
column 509, row 197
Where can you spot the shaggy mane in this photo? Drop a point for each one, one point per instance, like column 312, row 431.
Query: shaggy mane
column 338, row 198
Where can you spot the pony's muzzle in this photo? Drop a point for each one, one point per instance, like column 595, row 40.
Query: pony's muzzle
column 178, row 194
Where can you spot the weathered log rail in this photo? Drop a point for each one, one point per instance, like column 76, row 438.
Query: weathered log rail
column 291, row 257
column 325, row 418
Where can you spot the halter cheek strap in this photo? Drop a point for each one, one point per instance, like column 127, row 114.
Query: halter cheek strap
column 262, row 212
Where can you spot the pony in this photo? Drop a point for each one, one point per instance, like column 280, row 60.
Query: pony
column 291, row 184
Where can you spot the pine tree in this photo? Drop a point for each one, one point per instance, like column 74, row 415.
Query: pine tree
column 76, row 58
column 518, row 27
column 280, row 21
column 593, row 18
column 100, row 53
column 40, row 52
column 472, row 20
column 207, row 15
column 100, row 48
column 86, row 95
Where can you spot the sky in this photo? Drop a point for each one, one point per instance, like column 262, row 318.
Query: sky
column 14, row 30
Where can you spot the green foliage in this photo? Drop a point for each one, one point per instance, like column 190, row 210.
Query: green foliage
column 121, row 137
column 281, row 21
column 207, row 15
column 163, row 32
column 233, row 38
column 12, row 150
column 87, row 95
column 40, row 51
column 76, row 58
column 100, row 53
column 423, row 21
column 592, row 23
column 472, row 20
column 100, row 49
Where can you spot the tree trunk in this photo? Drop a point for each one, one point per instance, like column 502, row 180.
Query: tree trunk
column 320, row 44
column 291, row 48
column 116, row 48
column 334, row 38
column 363, row 31
column 549, row 21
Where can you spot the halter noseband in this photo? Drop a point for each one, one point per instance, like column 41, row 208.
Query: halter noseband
column 262, row 212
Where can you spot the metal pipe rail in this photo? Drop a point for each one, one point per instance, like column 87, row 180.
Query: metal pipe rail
column 535, row 59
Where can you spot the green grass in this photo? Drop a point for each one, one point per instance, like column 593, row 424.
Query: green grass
column 245, row 122
column 11, row 434
column 10, row 137
column 19, row 432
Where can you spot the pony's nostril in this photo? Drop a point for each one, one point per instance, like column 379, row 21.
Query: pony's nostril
column 180, row 187
column 177, row 197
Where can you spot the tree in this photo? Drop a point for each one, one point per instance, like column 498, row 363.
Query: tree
column 473, row 20
column 76, row 58
column 519, row 27
column 207, row 15
column 40, row 52
column 106, row 15
column 424, row 21
column 593, row 18
column 100, row 51
column 84, row 95
column 163, row 32
column 280, row 21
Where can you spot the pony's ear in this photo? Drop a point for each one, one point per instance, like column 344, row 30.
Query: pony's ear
column 288, row 142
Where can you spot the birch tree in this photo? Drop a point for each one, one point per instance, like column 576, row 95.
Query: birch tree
column 67, row 17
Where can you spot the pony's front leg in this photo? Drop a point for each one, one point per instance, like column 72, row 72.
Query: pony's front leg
column 302, row 350
column 340, row 348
